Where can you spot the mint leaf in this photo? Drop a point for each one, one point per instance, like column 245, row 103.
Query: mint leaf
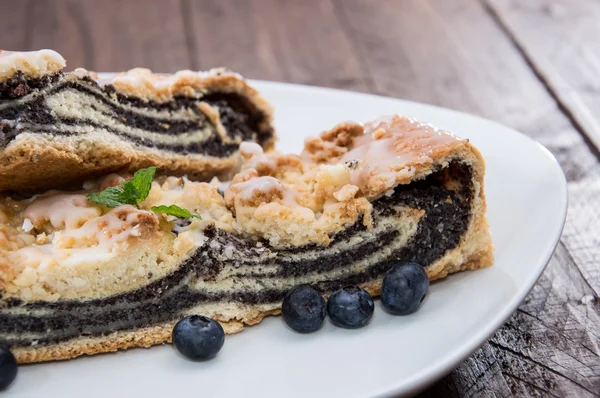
column 174, row 210
column 110, row 199
column 141, row 182
column 131, row 192
column 113, row 197
column 134, row 192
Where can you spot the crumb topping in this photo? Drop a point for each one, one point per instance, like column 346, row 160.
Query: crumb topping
column 32, row 63
column 60, row 211
column 383, row 153
column 293, row 200
column 283, row 199
column 141, row 82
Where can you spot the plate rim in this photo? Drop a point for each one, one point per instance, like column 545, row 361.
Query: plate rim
column 432, row 373
column 427, row 376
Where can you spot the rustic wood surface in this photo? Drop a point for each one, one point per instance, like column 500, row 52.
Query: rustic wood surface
column 533, row 65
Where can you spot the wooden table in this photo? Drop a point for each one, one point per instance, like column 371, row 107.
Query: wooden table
column 530, row 64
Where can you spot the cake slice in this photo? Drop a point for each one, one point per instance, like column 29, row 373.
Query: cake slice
column 58, row 128
column 80, row 278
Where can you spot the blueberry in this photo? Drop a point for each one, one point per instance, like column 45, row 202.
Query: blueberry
column 303, row 309
column 350, row 307
column 8, row 367
column 404, row 287
column 198, row 337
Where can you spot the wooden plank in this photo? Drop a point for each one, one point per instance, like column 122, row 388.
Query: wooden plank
column 229, row 33
column 560, row 39
column 112, row 35
column 549, row 347
column 555, row 333
column 437, row 51
column 295, row 41
column 479, row 375
column 14, row 26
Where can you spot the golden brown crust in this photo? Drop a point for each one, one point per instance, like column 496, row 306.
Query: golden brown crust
column 474, row 250
column 334, row 143
column 122, row 340
column 35, row 162
column 161, row 334
column 386, row 152
column 33, row 64
column 56, row 164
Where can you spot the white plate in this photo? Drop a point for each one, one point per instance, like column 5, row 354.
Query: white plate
column 527, row 202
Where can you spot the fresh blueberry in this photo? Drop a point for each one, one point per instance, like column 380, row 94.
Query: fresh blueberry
column 350, row 307
column 404, row 287
column 8, row 367
column 303, row 309
column 198, row 337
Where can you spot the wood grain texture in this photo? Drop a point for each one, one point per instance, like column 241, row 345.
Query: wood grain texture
column 295, row 41
column 14, row 27
column 112, row 35
column 561, row 38
column 550, row 346
column 531, row 65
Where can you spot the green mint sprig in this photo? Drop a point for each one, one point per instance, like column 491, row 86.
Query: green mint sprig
column 175, row 210
column 134, row 192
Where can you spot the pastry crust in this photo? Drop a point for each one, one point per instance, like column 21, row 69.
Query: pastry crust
column 161, row 334
column 34, row 163
column 50, row 158
column 32, row 63
column 283, row 202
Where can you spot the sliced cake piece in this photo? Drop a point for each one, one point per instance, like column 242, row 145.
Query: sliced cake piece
column 57, row 128
column 80, row 278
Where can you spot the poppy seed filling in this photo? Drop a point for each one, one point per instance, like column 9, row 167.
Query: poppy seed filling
column 99, row 266
column 441, row 228
column 239, row 117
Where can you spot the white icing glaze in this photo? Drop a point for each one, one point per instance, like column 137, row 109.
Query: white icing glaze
column 63, row 210
column 113, row 227
column 303, row 205
column 142, row 77
column 248, row 149
column 198, row 197
column 32, row 63
column 256, row 158
column 81, row 73
column 247, row 189
column 111, row 180
column 27, row 225
column 266, row 188
column 391, row 148
column 93, row 242
column 142, row 82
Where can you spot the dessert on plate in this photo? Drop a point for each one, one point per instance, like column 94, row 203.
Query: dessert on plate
column 74, row 126
column 102, row 269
